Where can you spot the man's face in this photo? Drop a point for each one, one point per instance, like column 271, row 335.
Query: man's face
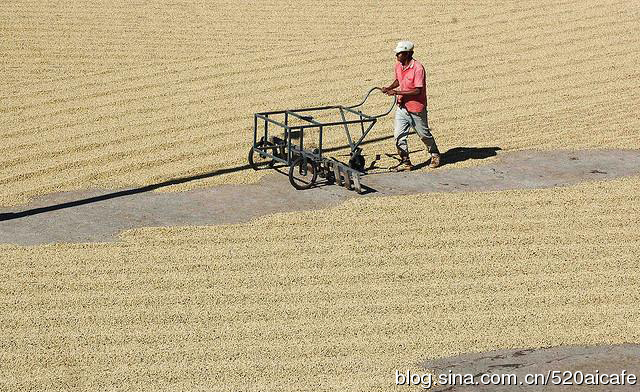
column 402, row 56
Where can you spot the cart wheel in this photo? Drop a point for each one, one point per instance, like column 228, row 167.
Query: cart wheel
column 357, row 162
column 303, row 173
column 258, row 160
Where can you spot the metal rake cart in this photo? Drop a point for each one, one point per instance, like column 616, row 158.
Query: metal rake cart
column 307, row 164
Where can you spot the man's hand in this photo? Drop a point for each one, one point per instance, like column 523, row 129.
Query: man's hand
column 389, row 88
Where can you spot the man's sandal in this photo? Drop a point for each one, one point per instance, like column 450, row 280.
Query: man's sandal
column 402, row 167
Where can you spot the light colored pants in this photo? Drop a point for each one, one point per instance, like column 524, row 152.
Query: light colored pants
column 406, row 120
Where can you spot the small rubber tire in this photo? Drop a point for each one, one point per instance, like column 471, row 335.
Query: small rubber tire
column 252, row 161
column 357, row 162
column 299, row 181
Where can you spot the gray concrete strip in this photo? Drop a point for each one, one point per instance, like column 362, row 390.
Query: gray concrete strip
column 99, row 215
column 558, row 367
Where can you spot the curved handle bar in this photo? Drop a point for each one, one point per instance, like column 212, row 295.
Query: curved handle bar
column 365, row 100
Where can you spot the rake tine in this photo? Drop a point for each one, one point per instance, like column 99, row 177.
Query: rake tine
column 356, row 182
column 336, row 172
column 347, row 179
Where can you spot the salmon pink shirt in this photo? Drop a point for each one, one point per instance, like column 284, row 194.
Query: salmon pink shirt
column 410, row 77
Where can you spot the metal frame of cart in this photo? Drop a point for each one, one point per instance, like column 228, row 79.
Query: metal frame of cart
column 305, row 165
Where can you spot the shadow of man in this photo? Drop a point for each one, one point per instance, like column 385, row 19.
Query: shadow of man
column 460, row 154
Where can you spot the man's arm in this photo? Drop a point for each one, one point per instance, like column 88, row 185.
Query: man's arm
column 391, row 86
column 406, row 93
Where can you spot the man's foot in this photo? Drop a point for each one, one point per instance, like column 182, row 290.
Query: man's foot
column 435, row 161
column 403, row 166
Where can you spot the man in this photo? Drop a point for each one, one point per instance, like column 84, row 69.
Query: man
column 412, row 105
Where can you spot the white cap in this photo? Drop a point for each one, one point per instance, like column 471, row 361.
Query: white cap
column 404, row 46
